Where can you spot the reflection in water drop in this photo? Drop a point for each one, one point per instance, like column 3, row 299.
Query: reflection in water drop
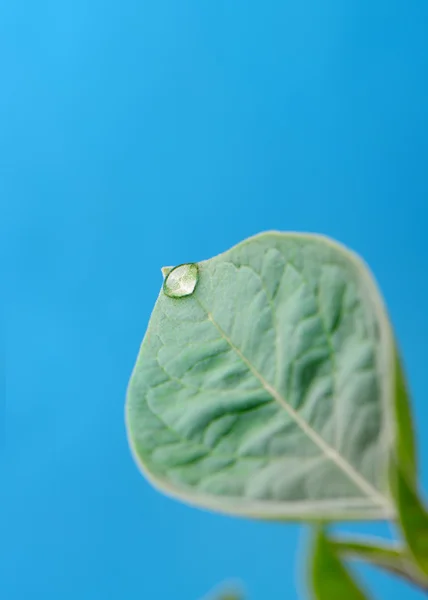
column 181, row 281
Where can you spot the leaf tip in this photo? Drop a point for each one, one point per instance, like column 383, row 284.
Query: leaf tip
column 166, row 271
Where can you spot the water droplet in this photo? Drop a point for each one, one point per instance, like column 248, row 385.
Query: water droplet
column 181, row 281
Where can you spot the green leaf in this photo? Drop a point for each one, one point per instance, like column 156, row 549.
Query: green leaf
column 390, row 557
column 412, row 517
column 405, row 451
column 266, row 384
column 330, row 579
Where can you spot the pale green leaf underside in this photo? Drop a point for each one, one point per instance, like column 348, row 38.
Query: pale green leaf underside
column 269, row 391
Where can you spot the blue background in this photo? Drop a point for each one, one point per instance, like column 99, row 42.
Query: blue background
column 136, row 134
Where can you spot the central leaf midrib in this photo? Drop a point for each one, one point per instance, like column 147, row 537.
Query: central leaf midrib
column 329, row 451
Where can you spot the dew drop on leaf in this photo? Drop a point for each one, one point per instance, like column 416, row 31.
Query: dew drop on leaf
column 181, row 281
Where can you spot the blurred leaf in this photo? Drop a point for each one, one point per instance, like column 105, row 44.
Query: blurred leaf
column 267, row 384
column 329, row 578
column 391, row 557
column 412, row 517
column 227, row 591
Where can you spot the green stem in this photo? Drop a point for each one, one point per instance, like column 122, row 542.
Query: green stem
column 393, row 558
